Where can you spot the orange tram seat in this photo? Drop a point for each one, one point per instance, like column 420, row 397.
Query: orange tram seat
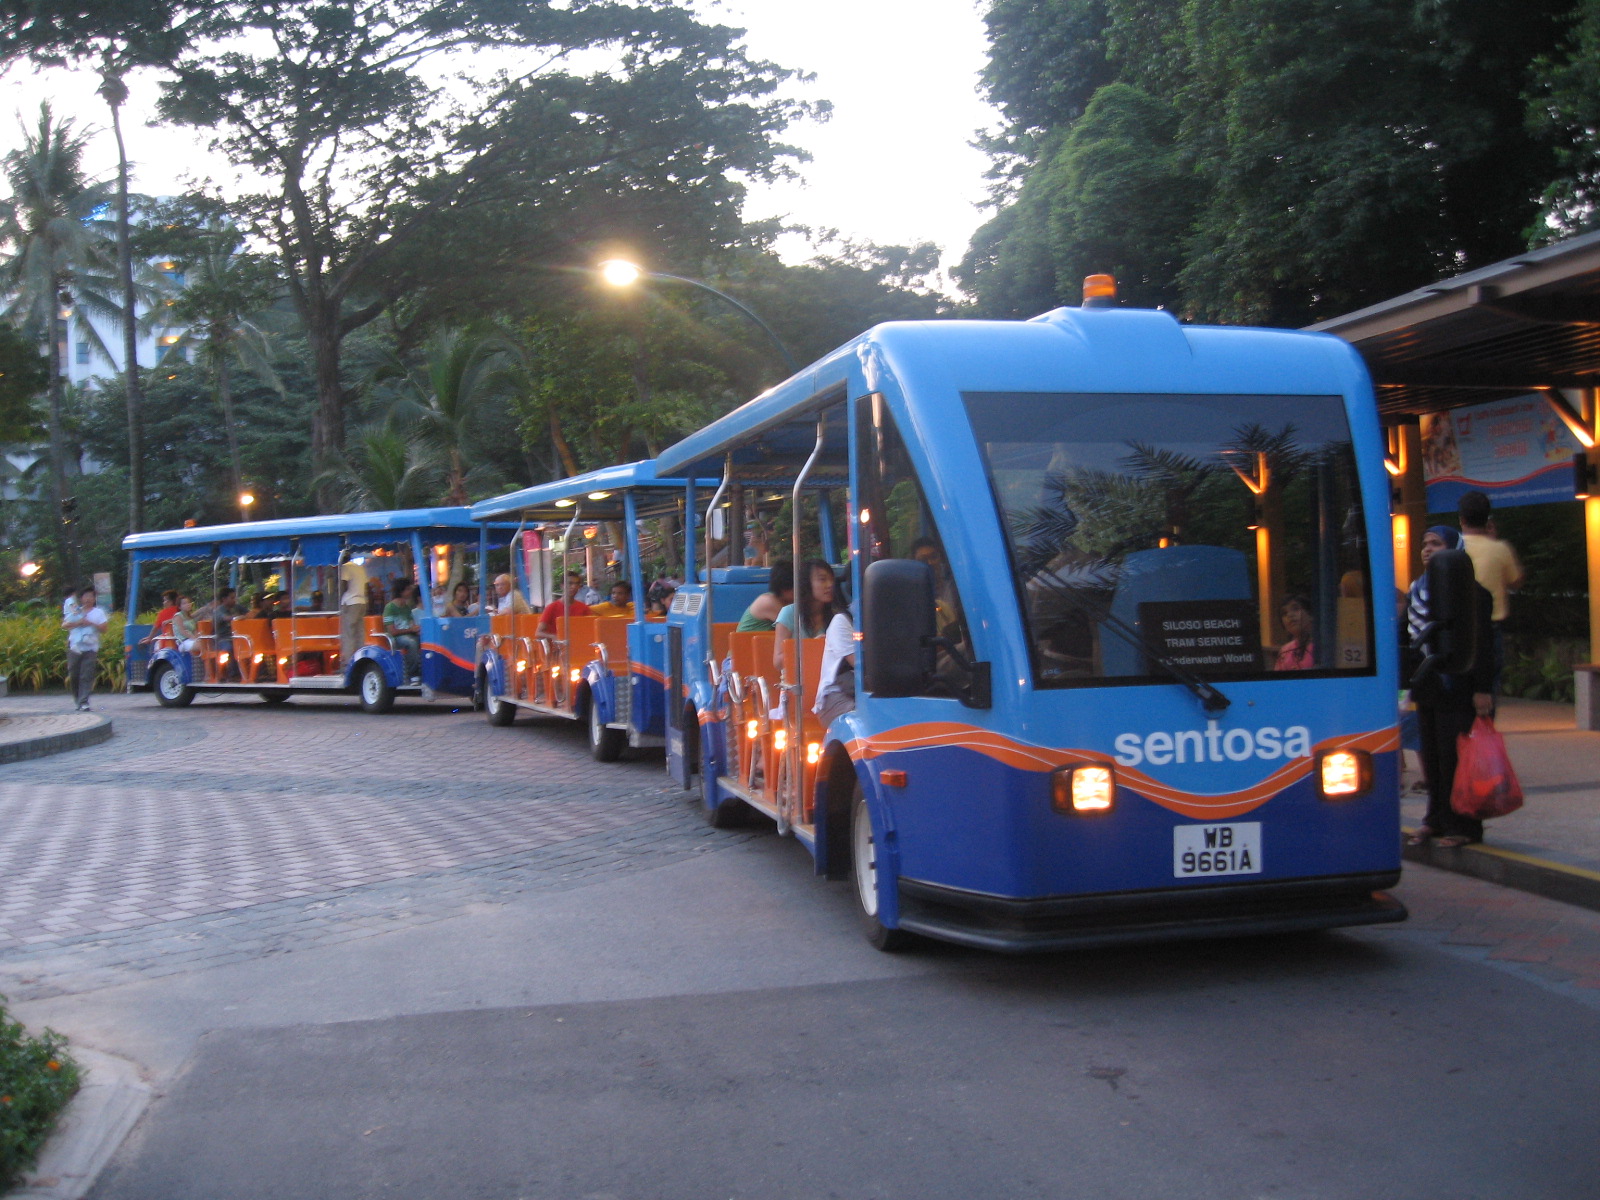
column 751, row 662
column 253, row 649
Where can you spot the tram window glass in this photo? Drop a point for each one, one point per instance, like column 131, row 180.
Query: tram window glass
column 316, row 589
column 386, row 565
column 1223, row 533
column 896, row 521
column 259, row 579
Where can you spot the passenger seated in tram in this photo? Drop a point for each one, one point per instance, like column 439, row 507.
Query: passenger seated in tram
column 459, row 602
column 836, row 691
column 400, row 623
column 808, row 617
column 221, row 614
column 764, row 609
column 169, row 606
column 183, row 625
column 507, row 598
column 557, row 609
column 619, row 603
column 659, row 599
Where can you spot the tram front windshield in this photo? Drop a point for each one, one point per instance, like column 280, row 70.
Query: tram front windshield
column 1223, row 534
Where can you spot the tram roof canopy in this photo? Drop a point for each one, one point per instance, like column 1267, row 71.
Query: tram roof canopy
column 598, row 495
column 263, row 538
column 1525, row 324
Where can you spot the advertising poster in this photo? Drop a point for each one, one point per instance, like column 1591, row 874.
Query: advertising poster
column 1517, row 451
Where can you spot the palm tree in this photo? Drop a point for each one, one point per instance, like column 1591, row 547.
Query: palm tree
column 461, row 371
column 115, row 93
column 387, row 469
column 225, row 288
column 58, row 261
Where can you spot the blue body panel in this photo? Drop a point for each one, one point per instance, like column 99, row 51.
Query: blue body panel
column 647, row 675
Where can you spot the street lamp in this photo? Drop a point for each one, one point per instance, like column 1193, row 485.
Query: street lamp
column 28, row 570
column 246, row 499
column 621, row 273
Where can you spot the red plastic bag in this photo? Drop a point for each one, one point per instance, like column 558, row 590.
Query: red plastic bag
column 1485, row 785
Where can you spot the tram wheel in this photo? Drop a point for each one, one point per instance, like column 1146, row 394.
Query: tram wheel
column 170, row 689
column 376, row 694
column 605, row 744
column 274, row 697
column 866, row 880
column 498, row 711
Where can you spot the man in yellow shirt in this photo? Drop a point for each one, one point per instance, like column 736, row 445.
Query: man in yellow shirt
column 1495, row 565
column 620, row 603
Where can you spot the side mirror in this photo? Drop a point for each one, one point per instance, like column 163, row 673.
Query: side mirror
column 1450, row 639
column 898, row 625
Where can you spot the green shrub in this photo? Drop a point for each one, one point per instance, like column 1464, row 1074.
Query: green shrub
column 1542, row 670
column 37, row 1078
column 33, row 652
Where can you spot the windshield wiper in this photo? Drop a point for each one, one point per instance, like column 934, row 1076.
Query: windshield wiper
column 1212, row 699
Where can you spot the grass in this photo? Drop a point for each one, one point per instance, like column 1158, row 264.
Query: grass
column 37, row 1078
column 33, row 653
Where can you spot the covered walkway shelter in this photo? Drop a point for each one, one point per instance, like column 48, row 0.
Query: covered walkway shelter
column 1526, row 332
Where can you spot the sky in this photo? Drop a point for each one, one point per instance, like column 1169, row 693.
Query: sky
column 892, row 166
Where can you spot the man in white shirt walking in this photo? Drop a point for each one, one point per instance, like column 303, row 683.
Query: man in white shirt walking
column 84, row 627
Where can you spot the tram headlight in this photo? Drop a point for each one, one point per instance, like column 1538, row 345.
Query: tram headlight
column 813, row 753
column 1342, row 774
column 1083, row 789
column 752, row 729
column 577, row 674
column 780, row 740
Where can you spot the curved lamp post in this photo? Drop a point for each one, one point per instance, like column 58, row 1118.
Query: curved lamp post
column 621, row 273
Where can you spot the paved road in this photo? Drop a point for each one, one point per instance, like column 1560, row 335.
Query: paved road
column 468, row 963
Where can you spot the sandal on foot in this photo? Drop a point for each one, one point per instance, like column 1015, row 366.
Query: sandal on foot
column 1419, row 836
column 1451, row 841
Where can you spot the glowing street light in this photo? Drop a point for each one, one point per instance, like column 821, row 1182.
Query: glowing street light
column 620, row 273
column 246, row 500
column 28, row 570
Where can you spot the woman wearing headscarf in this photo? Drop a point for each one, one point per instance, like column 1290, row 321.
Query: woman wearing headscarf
column 1447, row 704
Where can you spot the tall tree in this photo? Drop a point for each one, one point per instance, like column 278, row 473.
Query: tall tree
column 58, row 259
column 1564, row 108
column 121, row 37
column 1329, row 152
column 377, row 136
column 226, row 290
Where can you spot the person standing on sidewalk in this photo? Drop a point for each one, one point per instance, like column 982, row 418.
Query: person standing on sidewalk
column 1446, row 704
column 84, row 628
column 1494, row 563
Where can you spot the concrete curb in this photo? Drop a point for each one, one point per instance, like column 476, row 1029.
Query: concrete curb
column 109, row 1103
column 20, row 749
column 1509, row 868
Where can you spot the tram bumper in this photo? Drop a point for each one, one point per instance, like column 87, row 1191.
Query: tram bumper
column 1014, row 926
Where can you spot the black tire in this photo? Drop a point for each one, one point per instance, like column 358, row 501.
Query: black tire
column 496, row 711
column 731, row 813
column 274, row 697
column 377, row 696
column 170, row 690
column 864, row 881
column 605, row 744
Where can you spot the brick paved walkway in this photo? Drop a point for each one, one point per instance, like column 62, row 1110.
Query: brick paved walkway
column 232, row 829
